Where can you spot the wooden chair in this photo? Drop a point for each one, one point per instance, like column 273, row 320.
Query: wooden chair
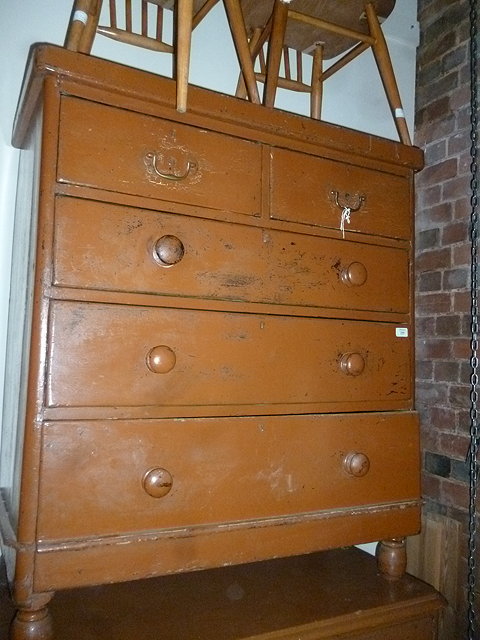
column 323, row 28
column 83, row 27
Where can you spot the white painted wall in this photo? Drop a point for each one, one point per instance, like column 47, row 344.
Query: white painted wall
column 353, row 98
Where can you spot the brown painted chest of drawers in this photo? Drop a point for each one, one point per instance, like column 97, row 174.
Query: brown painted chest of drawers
column 213, row 371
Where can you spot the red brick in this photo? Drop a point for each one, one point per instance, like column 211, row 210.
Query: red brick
column 461, row 255
column 461, row 301
column 454, row 58
column 464, row 74
column 460, row 98
column 461, row 348
column 432, row 393
column 455, row 233
column 431, row 303
column 427, row 239
column 446, row 371
column 433, row 349
column 464, row 423
column 456, row 188
column 446, row 126
column 426, row 94
column 428, row 440
column 463, row 30
column 431, row 86
column 443, row 418
column 432, row 486
column 455, row 493
column 438, row 172
column 458, row 142
column 438, row 47
column 466, row 325
column 429, row 196
column 424, row 327
column 427, row 72
column 464, row 162
column 465, row 371
column 463, row 118
column 447, row 325
column 424, row 370
column 453, row 445
column 435, row 259
column 455, row 279
column 436, row 215
column 463, row 208
column 429, row 281
column 459, row 396
column 436, row 152
column 451, row 15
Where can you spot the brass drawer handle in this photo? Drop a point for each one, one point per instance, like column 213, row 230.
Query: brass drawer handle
column 356, row 464
column 352, row 202
column 157, row 482
column 161, row 359
column 348, row 203
column 352, row 364
column 151, row 162
column 168, row 250
column 355, row 275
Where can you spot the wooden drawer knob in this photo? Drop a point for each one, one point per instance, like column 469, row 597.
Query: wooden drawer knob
column 157, row 482
column 168, row 250
column 161, row 359
column 354, row 275
column 352, row 364
column 356, row 464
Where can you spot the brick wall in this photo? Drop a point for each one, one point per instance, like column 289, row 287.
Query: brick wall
column 443, row 256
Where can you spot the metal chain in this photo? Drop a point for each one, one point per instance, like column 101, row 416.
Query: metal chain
column 474, row 378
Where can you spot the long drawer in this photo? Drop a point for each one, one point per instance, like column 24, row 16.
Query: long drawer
column 126, row 152
column 160, row 253
column 148, row 475
column 316, row 191
column 115, row 355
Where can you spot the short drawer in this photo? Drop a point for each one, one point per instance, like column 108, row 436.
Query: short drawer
column 126, row 152
column 168, row 474
column 316, row 191
column 168, row 254
column 115, row 355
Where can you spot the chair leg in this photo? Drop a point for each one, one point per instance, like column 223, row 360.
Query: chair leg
column 317, row 83
column 275, row 47
column 184, row 38
column 385, row 68
column 82, row 26
column 240, row 39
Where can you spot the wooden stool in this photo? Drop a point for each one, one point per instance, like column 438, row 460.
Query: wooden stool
column 83, row 27
column 300, row 25
column 329, row 595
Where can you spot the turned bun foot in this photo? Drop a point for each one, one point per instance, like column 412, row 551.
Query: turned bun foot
column 32, row 624
column 392, row 558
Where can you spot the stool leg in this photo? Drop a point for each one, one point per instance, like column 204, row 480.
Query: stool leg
column 240, row 39
column 392, row 558
column 184, row 37
column 385, row 68
column 241, row 91
column 90, row 31
column 317, row 83
column 275, row 47
column 82, row 26
column 202, row 12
